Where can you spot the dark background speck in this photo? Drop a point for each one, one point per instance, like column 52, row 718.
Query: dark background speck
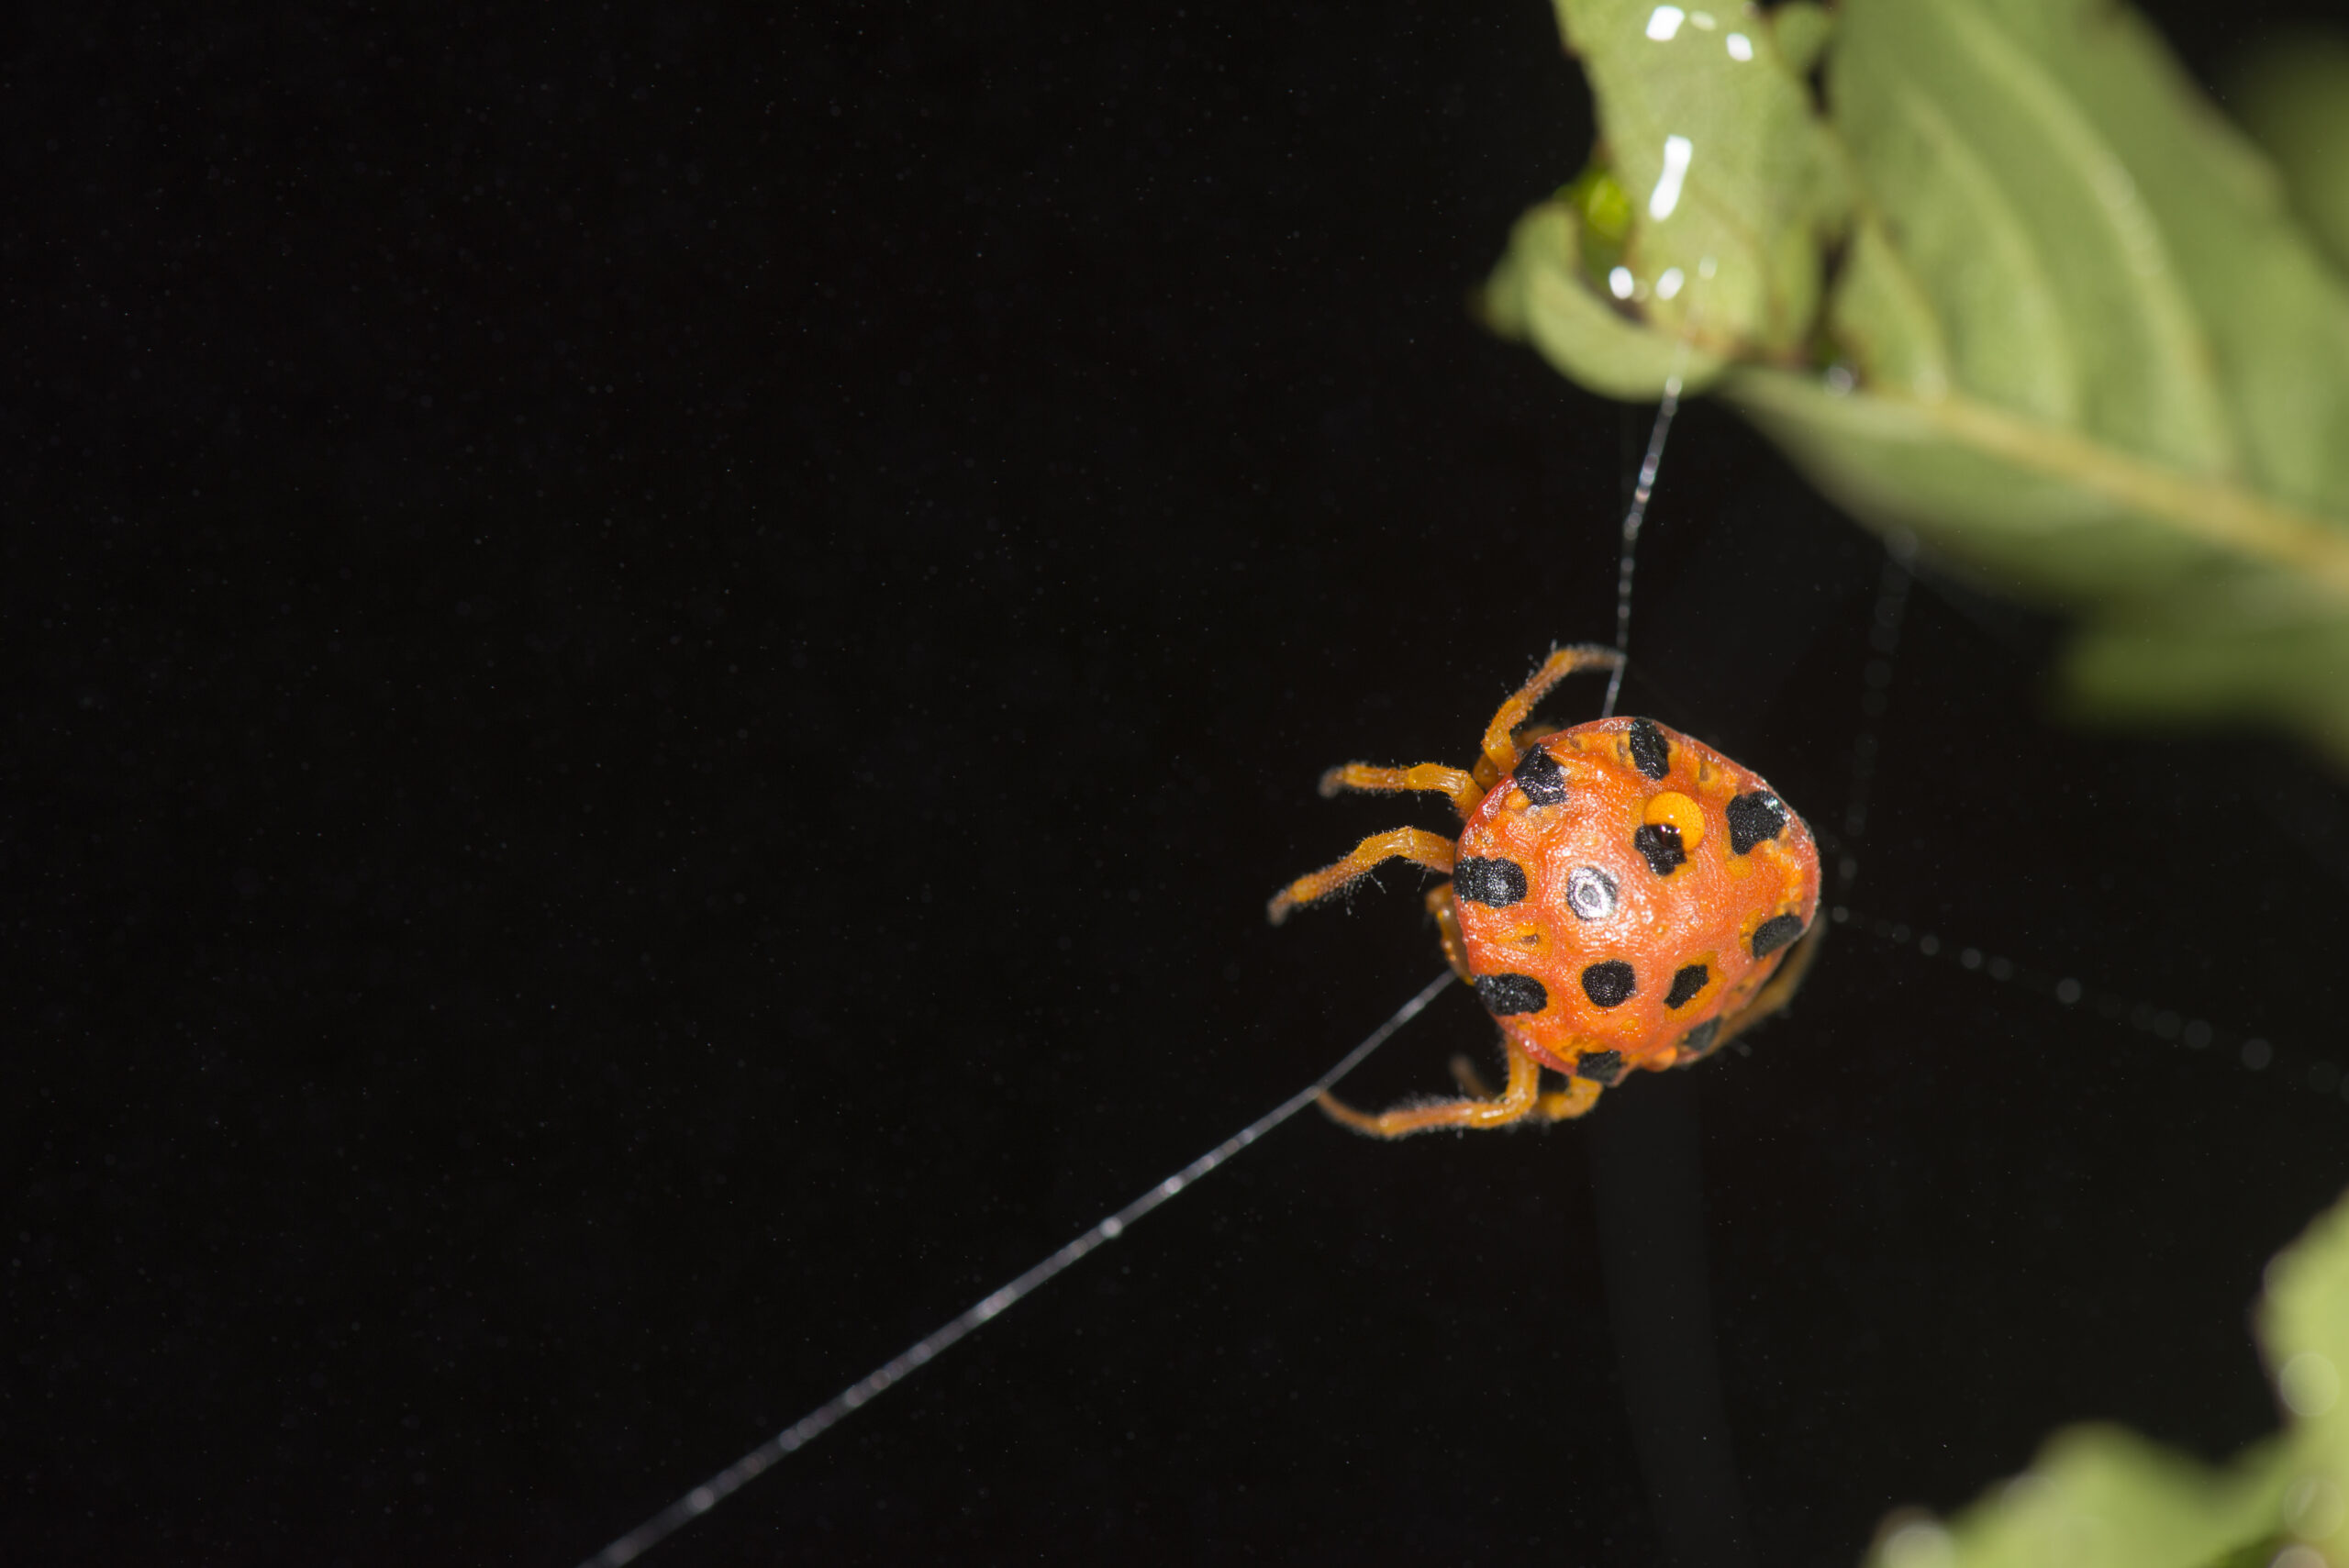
column 658, row 664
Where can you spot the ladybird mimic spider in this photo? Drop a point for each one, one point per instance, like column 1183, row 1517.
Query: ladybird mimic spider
column 1620, row 896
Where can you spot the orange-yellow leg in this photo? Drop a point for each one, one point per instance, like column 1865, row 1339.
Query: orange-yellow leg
column 1447, row 931
column 1564, row 1104
column 1500, row 744
column 1432, row 777
column 1415, row 844
column 1550, row 1105
column 1512, row 1104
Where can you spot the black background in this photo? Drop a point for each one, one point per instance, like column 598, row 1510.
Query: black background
column 657, row 662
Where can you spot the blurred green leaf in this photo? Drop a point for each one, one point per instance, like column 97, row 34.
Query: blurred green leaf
column 2101, row 1496
column 2292, row 94
column 2019, row 291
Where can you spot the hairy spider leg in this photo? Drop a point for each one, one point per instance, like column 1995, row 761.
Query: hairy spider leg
column 1554, row 1104
column 1500, row 736
column 1467, row 789
column 1447, row 931
column 1432, row 851
column 1432, row 777
column 1550, row 1105
column 1520, row 1100
column 1564, row 1104
column 1524, row 1097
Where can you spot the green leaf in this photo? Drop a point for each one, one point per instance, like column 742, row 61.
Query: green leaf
column 2293, row 93
column 2304, row 1335
column 1537, row 293
column 2102, row 1495
column 2020, row 293
column 1735, row 188
column 1801, row 28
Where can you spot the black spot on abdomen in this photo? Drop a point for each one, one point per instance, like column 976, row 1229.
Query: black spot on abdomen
column 1505, row 996
column 1539, row 775
column 1610, row 985
column 1685, row 984
column 1775, row 933
column 1659, row 842
column 1601, row 1067
column 1699, row 1040
column 1493, row 882
column 1752, row 818
column 1650, row 753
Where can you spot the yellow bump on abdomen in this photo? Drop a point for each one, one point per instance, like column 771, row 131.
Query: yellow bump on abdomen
column 1673, row 809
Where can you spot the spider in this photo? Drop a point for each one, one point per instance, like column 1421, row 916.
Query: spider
column 1620, row 896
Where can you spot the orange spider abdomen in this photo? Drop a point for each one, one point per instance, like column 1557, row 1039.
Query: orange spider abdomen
column 1623, row 891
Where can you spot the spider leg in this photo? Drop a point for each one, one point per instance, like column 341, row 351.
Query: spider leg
column 1432, row 777
column 1551, row 1104
column 1416, row 844
column 1500, row 747
column 1472, row 1083
column 1447, row 931
column 1513, row 1104
column 1564, row 1104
